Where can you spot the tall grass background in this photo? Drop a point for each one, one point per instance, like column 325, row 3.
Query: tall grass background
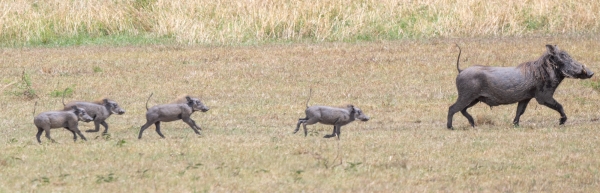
column 57, row 22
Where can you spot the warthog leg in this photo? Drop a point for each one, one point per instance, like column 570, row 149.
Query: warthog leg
column 39, row 134
column 553, row 104
column 74, row 135
column 80, row 134
column 310, row 121
column 461, row 105
column 96, row 126
column 192, row 124
column 300, row 121
column 332, row 133
column 76, row 132
column 157, row 124
column 144, row 127
column 105, row 127
column 47, row 130
column 520, row 110
column 336, row 130
column 467, row 115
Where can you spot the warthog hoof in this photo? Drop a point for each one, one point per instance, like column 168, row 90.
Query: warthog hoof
column 91, row 130
column 329, row 136
column 562, row 120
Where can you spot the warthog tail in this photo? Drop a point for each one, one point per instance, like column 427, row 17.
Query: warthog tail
column 458, row 59
column 309, row 95
column 34, row 106
column 63, row 100
column 148, row 100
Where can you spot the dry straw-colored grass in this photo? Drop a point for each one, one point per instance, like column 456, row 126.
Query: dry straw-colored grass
column 256, row 95
column 251, row 21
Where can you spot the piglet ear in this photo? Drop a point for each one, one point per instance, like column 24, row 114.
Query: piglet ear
column 552, row 49
column 105, row 101
column 352, row 107
column 75, row 109
column 189, row 100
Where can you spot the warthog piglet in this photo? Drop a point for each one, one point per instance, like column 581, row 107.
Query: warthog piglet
column 173, row 112
column 337, row 117
column 56, row 119
column 99, row 111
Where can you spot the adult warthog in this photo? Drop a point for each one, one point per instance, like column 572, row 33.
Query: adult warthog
column 506, row 85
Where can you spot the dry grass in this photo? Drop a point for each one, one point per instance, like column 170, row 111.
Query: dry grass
column 256, row 95
column 252, row 21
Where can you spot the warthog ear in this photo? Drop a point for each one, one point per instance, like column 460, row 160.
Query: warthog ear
column 190, row 100
column 75, row 109
column 552, row 49
column 352, row 107
column 105, row 101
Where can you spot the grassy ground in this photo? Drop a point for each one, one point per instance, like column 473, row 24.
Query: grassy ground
column 257, row 94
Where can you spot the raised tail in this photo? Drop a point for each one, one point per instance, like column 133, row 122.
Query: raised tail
column 34, row 106
column 148, row 100
column 309, row 95
column 458, row 59
column 63, row 100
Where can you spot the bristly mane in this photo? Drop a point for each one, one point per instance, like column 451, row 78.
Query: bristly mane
column 181, row 99
column 100, row 101
column 347, row 107
column 541, row 69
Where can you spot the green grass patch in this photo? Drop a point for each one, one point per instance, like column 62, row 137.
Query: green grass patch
column 594, row 84
column 60, row 93
column 97, row 34
column 97, row 69
column 85, row 39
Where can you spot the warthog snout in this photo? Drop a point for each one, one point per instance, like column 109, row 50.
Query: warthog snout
column 85, row 117
column 567, row 66
column 196, row 104
column 82, row 115
column 587, row 73
column 363, row 118
column 115, row 108
column 361, row 115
